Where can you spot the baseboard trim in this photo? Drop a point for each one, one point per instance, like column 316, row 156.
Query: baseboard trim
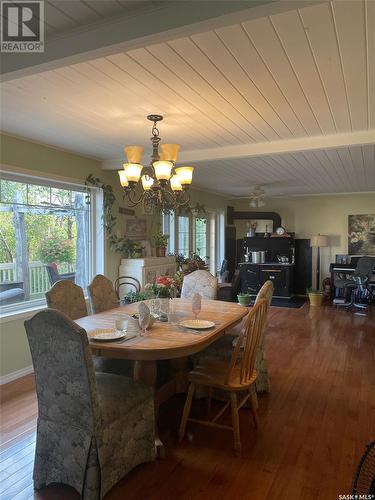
column 10, row 377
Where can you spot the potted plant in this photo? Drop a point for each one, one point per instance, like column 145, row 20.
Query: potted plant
column 244, row 298
column 315, row 297
column 129, row 249
column 160, row 242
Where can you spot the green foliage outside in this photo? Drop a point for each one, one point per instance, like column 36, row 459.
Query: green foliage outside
column 54, row 250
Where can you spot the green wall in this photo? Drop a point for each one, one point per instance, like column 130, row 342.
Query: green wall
column 39, row 159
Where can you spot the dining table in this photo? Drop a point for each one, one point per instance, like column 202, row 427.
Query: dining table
column 165, row 340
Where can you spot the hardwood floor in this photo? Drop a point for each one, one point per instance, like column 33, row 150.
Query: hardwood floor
column 313, row 426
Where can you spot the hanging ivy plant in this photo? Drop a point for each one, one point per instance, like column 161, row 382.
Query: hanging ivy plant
column 109, row 219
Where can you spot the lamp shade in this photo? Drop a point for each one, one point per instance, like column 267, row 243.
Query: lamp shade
column 169, row 152
column 133, row 171
column 163, row 170
column 134, row 153
column 123, row 179
column 319, row 240
column 185, row 175
column 175, row 183
column 147, row 182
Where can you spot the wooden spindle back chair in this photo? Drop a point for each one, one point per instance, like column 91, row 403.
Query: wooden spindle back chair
column 236, row 376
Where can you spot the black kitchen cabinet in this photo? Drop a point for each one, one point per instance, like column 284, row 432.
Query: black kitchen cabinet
column 253, row 276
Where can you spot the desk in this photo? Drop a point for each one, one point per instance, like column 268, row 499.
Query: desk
column 164, row 341
column 347, row 269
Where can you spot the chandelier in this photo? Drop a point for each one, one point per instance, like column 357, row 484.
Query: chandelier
column 161, row 186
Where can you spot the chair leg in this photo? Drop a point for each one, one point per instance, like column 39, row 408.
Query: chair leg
column 235, row 424
column 186, row 412
column 254, row 405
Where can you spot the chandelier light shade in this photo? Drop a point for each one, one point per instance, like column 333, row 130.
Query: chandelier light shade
column 163, row 186
column 133, row 171
column 163, row 170
column 175, row 183
column 134, row 153
column 185, row 175
column 147, row 182
column 123, row 180
column 169, row 152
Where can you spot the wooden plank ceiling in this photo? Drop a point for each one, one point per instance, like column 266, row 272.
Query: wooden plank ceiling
column 304, row 73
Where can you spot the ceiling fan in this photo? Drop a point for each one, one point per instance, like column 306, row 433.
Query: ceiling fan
column 257, row 197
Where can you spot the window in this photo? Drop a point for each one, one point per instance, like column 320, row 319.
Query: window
column 183, row 235
column 168, row 228
column 201, row 238
column 46, row 229
column 189, row 234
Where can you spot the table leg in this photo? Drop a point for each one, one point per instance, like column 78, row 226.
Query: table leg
column 146, row 371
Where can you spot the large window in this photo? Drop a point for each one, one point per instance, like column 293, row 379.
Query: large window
column 190, row 234
column 201, row 238
column 46, row 234
column 183, row 235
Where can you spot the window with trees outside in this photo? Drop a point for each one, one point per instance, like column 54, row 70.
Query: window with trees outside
column 183, row 235
column 201, row 238
column 45, row 231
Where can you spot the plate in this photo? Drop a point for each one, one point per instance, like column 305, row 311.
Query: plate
column 106, row 335
column 197, row 324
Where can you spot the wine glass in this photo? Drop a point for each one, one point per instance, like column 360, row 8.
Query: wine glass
column 143, row 324
column 196, row 305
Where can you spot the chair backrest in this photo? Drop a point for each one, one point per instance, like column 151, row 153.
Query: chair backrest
column 126, row 280
column 201, row 282
column 266, row 292
column 365, row 267
column 249, row 341
column 68, row 298
column 64, row 372
column 364, row 479
column 102, row 294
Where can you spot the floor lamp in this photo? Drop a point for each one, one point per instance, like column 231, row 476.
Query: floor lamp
column 318, row 241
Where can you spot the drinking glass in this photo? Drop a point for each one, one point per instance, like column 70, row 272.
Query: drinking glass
column 196, row 307
column 121, row 325
column 172, row 312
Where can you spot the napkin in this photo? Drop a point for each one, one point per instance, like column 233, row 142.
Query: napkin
column 144, row 315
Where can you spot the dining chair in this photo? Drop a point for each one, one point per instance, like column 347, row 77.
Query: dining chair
column 102, row 294
column 93, row 428
column 102, row 298
column 235, row 377
column 68, row 298
column 126, row 281
column 201, row 282
column 222, row 348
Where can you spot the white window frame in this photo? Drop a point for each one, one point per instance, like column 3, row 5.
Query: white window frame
column 215, row 228
column 96, row 236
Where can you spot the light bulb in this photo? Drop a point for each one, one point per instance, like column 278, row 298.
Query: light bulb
column 162, row 170
column 185, row 175
column 175, row 183
column 123, row 180
column 147, row 182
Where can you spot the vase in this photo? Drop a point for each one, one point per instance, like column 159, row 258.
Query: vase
column 160, row 251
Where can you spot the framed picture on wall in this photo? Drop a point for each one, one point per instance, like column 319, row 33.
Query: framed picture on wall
column 361, row 234
column 136, row 229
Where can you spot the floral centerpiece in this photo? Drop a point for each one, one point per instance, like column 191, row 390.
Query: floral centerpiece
column 163, row 286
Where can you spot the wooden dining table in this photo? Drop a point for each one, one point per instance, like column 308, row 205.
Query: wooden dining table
column 164, row 341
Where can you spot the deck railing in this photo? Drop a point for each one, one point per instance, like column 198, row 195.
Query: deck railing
column 39, row 281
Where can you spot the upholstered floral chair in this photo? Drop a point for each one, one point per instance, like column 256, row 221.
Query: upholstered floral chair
column 201, row 282
column 67, row 297
column 102, row 298
column 102, row 294
column 222, row 348
column 93, row 428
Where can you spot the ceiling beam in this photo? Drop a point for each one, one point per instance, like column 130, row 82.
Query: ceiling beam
column 277, row 147
column 165, row 21
column 266, row 148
